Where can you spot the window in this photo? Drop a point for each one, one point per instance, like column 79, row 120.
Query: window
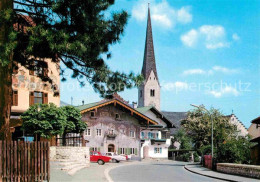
column 39, row 68
column 132, row 150
column 38, row 98
column 117, row 116
column 132, row 133
column 88, row 132
column 122, row 151
column 94, row 149
column 15, row 98
column 98, row 132
column 111, row 132
column 152, row 92
column 92, row 114
column 157, row 150
column 142, row 135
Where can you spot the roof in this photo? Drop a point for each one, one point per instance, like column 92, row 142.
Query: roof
column 229, row 116
column 149, row 58
column 257, row 139
column 256, row 120
column 158, row 113
column 175, row 117
column 115, row 101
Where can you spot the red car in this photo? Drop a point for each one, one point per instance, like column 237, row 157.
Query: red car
column 97, row 157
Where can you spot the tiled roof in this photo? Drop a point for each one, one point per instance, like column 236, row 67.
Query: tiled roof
column 175, row 118
column 149, row 58
column 143, row 110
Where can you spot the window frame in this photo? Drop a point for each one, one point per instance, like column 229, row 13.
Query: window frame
column 98, row 132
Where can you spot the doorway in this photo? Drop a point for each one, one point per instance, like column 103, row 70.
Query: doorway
column 111, row 148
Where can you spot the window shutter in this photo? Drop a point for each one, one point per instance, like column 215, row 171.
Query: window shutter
column 31, row 99
column 155, row 150
column 135, row 151
column 160, row 150
column 45, row 98
column 91, row 149
column 119, row 151
column 98, row 149
column 15, row 98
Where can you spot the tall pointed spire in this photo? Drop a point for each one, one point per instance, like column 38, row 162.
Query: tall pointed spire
column 149, row 58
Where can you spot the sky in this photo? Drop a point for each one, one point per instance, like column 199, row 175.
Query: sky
column 207, row 52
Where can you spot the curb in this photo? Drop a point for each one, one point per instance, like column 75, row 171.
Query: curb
column 224, row 179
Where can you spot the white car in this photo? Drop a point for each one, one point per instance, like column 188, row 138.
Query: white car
column 115, row 157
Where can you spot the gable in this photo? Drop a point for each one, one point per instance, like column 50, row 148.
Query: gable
column 116, row 103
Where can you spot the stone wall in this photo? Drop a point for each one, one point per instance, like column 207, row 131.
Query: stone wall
column 80, row 154
column 239, row 169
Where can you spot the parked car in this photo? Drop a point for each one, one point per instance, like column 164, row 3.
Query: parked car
column 115, row 157
column 99, row 158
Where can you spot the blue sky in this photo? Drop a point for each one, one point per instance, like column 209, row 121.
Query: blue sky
column 207, row 52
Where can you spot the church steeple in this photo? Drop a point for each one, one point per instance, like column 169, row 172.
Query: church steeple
column 149, row 58
column 149, row 91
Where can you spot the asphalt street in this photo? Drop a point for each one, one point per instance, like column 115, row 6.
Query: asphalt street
column 157, row 172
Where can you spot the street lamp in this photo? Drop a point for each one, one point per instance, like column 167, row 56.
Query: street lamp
column 211, row 126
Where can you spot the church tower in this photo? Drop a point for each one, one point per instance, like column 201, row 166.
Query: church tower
column 149, row 91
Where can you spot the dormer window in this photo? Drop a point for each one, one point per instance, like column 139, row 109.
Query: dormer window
column 152, row 92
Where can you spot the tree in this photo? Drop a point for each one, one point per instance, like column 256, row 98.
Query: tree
column 76, row 32
column 73, row 123
column 235, row 150
column 198, row 127
column 44, row 120
column 183, row 139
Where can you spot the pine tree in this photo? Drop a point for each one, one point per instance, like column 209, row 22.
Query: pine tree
column 77, row 33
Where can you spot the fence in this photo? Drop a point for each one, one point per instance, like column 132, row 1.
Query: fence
column 72, row 140
column 24, row 161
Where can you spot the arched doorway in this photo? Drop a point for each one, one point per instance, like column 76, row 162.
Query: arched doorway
column 111, row 148
column 146, row 152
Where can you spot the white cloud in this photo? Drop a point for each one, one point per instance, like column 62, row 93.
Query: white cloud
column 190, row 38
column 170, row 86
column 162, row 13
column 210, row 36
column 228, row 90
column 214, row 69
column 235, row 37
column 183, row 15
column 225, row 70
column 194, row 72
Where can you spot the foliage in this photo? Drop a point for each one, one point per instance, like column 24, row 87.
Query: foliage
column 184, row 157
column 228, row 146
column 196, row 157
column 73, row 123
column 78, row 33
column 183, row 139
column 198, row 127
column 44, row 120
column 235, row 150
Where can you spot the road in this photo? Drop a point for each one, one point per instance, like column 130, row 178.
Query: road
column 160, row 171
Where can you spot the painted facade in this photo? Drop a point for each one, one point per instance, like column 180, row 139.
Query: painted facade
column 26, row 82
column 113, row 126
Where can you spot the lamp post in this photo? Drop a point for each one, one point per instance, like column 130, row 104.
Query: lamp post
column 212, row 150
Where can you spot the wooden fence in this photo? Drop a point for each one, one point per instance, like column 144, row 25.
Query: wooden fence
column 24, row 161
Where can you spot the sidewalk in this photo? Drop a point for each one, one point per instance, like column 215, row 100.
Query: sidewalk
column 198, row 169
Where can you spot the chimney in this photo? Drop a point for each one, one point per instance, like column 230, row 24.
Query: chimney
column 134, row 104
